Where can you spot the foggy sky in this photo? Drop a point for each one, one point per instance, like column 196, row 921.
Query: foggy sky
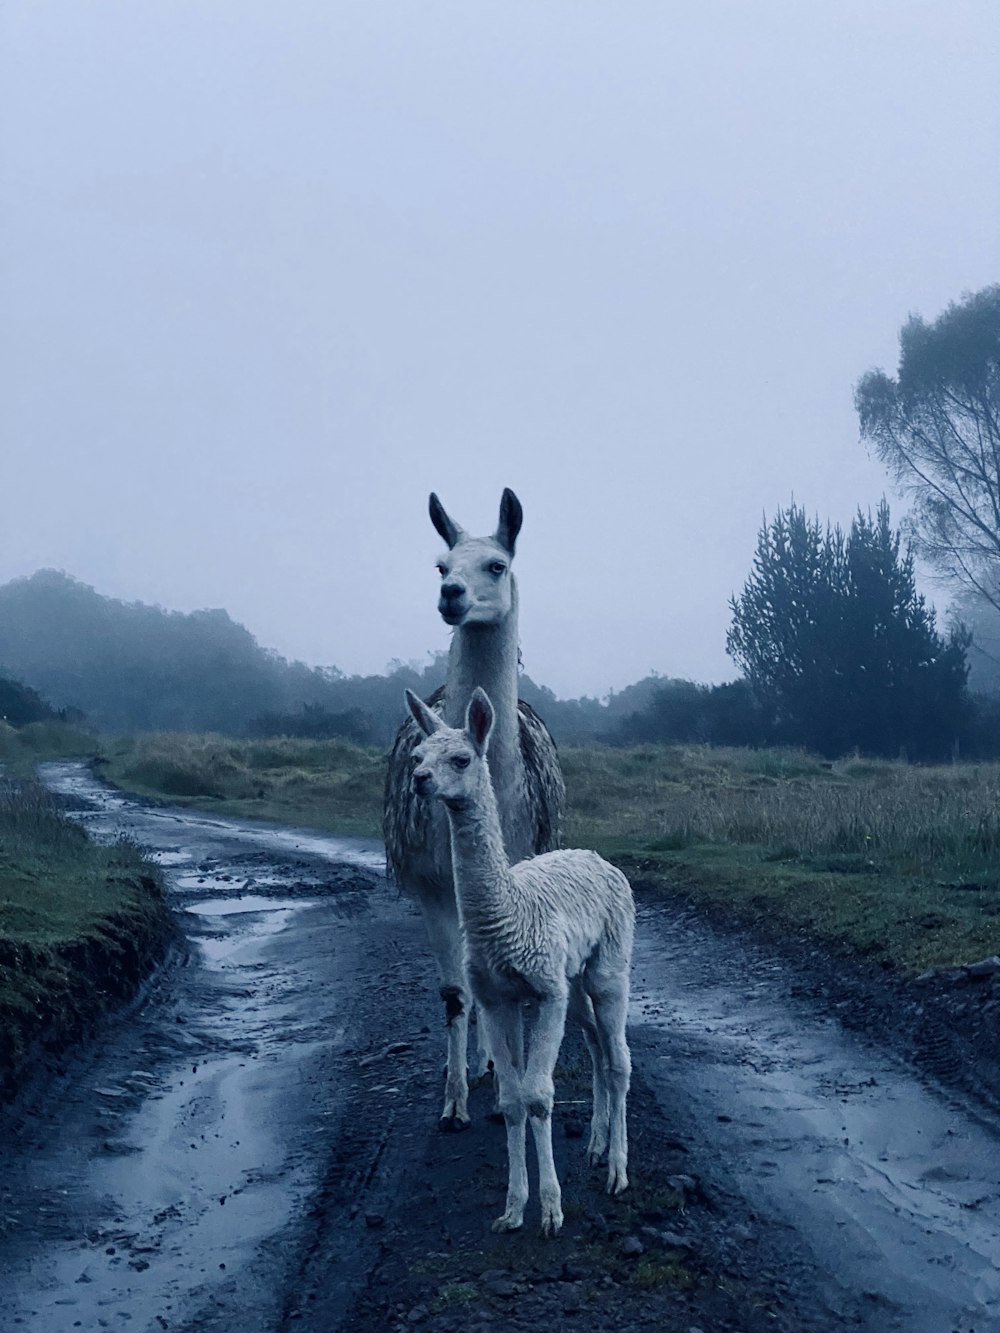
column 273, row 271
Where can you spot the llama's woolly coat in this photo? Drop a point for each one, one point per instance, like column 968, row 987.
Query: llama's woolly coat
column 409, row 823
column 552, row 917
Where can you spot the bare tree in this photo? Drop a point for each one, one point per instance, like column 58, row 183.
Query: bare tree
column 937, row 428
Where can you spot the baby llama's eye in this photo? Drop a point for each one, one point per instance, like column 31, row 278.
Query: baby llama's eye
column 461, row 761
column 497, row 567
column 442, row 569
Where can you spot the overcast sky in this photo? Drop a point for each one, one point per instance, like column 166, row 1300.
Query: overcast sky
column 274, row 270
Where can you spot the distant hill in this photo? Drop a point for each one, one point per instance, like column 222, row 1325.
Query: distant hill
column 129, row 666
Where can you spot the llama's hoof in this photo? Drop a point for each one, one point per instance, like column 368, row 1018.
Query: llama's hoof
column 453, row 1124
column 552, row 1220
column 617, row 1180
column 509, row 1222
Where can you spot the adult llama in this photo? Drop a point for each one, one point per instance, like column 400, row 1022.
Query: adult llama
column 478, row 598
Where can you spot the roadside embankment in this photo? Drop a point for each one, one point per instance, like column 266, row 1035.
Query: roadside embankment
column 81, row 926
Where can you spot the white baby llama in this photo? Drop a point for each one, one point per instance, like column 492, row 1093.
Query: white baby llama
column 556, row 929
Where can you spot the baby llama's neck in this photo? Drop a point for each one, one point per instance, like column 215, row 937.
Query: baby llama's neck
column 484, row 886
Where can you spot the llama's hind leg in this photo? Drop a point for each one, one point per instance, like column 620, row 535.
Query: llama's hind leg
column 445, row 940
column 582, row 1012
column 610, row 997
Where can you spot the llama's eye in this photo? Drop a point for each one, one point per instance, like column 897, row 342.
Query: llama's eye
column 461, row 761
column 442, row 569
column 497, row 567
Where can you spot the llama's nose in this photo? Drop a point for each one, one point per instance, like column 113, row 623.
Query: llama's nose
column 451, row 590
column 421, row 777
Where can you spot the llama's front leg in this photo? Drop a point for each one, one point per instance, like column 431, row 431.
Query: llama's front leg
column 539, row 1096
column 505, row 1037
column 444, row 937
column 484, row 1057
column 455, row 1115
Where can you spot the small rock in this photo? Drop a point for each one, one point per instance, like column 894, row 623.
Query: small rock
column 986, row 967
column 418, row 1314
column 684, row 1184
column 503, row 1287
column 632, row 1247
column 673, row 1241
column 573, row 1273
column 84, row 1277
column 925, row 977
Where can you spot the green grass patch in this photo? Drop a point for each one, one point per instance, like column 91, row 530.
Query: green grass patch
column 80, row 925
column 454, row 1295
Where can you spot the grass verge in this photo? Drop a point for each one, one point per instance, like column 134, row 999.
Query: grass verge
column 21, row 748
column 330, row 785
column 80, row 927
column 890, row 861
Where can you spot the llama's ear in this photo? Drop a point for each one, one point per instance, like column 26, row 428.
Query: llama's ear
column 427, row 720
column 511, row 518
column 479, row 719
column 447, row 527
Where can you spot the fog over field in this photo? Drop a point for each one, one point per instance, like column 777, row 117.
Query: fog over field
column 272, row 272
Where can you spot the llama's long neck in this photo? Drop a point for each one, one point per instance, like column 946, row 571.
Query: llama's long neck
column 486, row 655
column 484, row 886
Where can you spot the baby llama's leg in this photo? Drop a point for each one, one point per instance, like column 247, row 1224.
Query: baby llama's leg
column 504, row 1035
column 539, row 1095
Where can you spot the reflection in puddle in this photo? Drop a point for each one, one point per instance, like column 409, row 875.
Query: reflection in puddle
column 248, row 903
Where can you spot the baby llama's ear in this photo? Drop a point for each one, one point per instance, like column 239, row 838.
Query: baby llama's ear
column 447, row 528
column 479, row 719
column 511, row 518
column 427, row 720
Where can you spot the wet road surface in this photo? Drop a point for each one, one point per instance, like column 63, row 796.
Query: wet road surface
column 251, row 1146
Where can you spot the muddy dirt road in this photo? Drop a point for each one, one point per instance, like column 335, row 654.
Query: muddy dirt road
column 254, row 1145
